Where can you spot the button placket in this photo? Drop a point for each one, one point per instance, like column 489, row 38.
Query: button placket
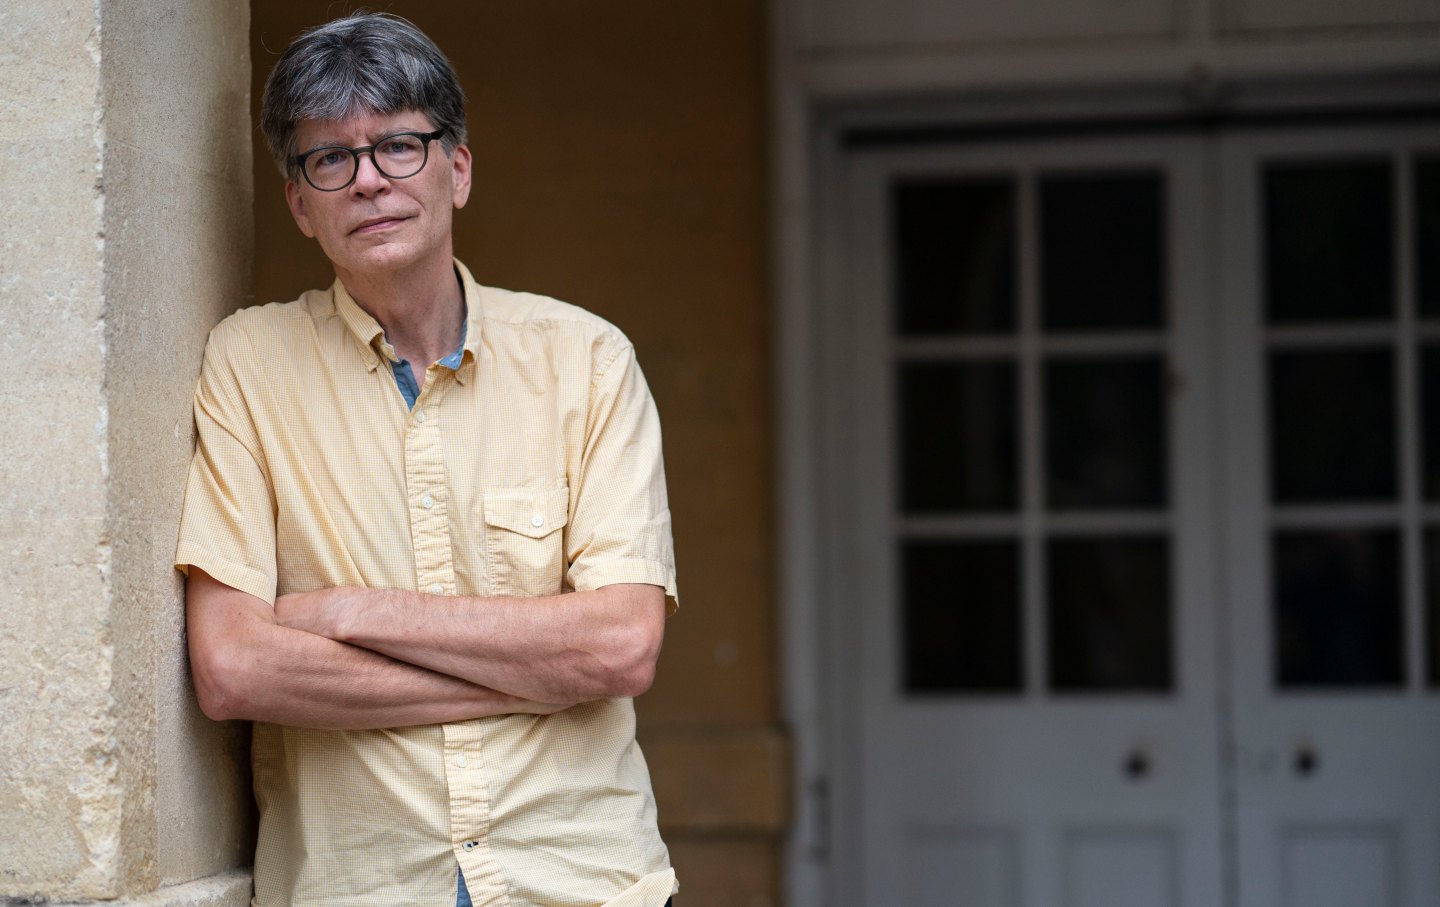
column 428, row 493
column 470, row 815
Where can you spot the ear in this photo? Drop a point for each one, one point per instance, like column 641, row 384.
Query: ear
column 460, row 173
column 296, row 201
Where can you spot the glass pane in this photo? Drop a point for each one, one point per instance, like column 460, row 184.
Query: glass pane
column 1337, row 608
column 1110, row 614
column 1102, row 251
column 1105, row 432
column 957, row 436
column 954, row 251
column 1430, row 415
column 1329, row 241
column 1332, row 421
column 962, row 616
column 1427, row 240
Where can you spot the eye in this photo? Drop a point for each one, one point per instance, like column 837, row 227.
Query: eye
column 330, row 158
column 399, row 147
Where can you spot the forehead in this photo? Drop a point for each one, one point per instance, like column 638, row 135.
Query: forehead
column 360, row 129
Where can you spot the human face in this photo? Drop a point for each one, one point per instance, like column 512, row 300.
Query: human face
column 379, row 226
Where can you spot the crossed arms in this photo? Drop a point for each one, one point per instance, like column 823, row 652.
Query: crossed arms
column 352, row 658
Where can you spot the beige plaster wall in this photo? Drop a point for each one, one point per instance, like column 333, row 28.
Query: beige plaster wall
column 125, row 225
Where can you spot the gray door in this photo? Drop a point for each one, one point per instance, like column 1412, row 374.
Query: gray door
column 1137, row 513
column 1331, row 301
column 1033, row 627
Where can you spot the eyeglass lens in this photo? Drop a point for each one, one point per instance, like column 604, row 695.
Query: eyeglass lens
column 396, row 157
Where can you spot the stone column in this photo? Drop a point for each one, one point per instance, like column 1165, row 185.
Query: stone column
column 125, row 234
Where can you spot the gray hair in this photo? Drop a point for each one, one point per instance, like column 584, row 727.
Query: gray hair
column 363, row 63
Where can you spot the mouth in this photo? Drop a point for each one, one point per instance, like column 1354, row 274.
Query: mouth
column 378, row 224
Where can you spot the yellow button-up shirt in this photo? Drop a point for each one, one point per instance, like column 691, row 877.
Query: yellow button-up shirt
column 533, row 468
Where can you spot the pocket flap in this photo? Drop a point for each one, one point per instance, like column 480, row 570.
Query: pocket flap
column 533, row 512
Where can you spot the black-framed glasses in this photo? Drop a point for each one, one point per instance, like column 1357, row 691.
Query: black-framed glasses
column 396, row 156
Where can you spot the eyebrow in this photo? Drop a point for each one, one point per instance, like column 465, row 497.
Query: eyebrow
column 330, row 142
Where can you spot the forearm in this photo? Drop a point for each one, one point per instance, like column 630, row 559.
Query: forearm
column 563, row 648
column 304, row 680
column 246, row 666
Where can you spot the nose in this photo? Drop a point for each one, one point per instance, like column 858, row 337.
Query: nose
column 368, row 178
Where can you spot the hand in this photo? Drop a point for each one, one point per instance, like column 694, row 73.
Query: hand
column 320, row 612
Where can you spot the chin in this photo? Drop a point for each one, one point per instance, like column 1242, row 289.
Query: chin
column 384, row 257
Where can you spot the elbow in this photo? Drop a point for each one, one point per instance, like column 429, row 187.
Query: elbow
column 616, row 655
column 223, row 645
column 219, row 686
column 215, row 700
column 634, row 671
column 638, row 679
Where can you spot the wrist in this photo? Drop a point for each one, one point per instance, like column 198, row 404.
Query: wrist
column 347, row 615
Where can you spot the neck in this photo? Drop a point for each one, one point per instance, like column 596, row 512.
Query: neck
column 421, row 309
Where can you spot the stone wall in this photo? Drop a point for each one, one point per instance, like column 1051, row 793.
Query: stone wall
column 125, row 230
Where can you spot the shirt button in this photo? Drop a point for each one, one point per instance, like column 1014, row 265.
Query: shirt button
column 469, row 845
column 437, row 589
column 460, row 762
column 427, row 502
column 537, row 521
column 420, row 416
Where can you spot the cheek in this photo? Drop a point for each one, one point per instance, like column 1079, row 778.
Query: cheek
column 323, row 237
column 331, row 243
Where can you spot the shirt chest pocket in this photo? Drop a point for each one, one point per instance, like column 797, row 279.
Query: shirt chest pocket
column 524, row 541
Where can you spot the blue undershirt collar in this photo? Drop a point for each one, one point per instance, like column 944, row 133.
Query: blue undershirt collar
column 405, row 375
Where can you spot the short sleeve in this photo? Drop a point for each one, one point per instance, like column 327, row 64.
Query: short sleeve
column 227, row 523
column 619, row 529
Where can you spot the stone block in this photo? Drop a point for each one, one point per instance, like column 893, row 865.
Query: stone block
column 60, row 775
column 178, row 232
column 50, row 233
column 196, row 116
column 164, row 295
column 202, row 808
column 58, row 38
column 228, row 889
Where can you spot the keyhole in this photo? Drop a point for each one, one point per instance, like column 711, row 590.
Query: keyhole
column 1307, row 761
column 1136, row 765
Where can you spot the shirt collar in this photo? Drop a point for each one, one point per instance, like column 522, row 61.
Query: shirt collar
column 474, row 318
column 365, row 328
column 372, row 337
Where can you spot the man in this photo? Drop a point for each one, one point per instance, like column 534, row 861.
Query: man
column 425, row 532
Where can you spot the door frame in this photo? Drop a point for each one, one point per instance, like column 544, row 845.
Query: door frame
column 812, row 124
